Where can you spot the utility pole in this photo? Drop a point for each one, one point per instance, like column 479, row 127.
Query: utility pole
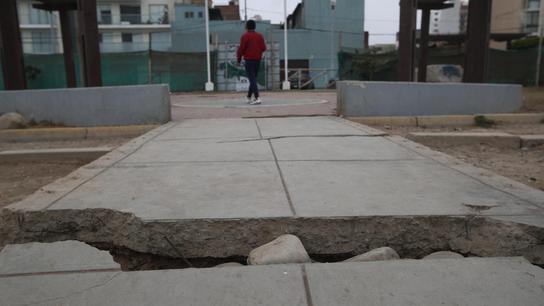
column 209, row 85
column 540, row 41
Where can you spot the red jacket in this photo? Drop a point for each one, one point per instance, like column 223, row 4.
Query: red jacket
column 252, row 46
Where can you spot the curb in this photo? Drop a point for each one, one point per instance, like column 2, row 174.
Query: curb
column 50, row 134
column 450, row 120
column 496, row 139
column 86, row 154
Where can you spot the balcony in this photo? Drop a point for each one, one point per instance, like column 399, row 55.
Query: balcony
column 133, row 19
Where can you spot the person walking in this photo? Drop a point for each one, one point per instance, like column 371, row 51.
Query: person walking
column 252, row 47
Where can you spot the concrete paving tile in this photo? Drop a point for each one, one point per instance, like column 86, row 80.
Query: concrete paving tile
column 185, row 191
column 244, row 286
column 212, row 128
column 357, row 188
column 202, row 150
column 340, row 148
column 310, row 126
column 469, row 281
column 53, row 257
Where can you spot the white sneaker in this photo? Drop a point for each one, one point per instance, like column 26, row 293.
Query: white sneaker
column 249, row 101
column 256, row 102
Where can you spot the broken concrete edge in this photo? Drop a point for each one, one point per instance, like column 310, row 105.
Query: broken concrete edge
column 54, row 191
column 449, row 120
column 531, row 195
column 85, row 154
column 50, row 134
column 323, row 237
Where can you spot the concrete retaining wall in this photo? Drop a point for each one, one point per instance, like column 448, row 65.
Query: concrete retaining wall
column 96, row 106
column 357, row 98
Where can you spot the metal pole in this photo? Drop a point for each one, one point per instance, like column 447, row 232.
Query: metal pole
column 245, row 10
column 286, row 85
column 540, row 41
column 209, row 85
column 333, row 20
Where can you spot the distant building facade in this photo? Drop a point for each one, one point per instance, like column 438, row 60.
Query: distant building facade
column 447, row 21
column 124, row 25
column 317, row 32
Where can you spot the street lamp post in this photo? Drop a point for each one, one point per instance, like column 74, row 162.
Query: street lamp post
column 209, row 85
column 286, row 85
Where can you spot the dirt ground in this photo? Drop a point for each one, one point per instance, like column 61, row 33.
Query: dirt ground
column 18, row 180
column 523, row 165
column 533, row 99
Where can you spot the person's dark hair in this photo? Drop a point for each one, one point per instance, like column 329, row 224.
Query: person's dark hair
column 251, row 25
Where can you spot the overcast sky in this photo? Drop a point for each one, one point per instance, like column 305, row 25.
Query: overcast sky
column 381, row 16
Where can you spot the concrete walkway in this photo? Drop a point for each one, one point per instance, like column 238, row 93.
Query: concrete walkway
column 41, row 274
column 240, row 183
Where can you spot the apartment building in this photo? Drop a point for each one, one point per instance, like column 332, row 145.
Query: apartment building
column 124, row 25
column 448, row 21
column 532, row 11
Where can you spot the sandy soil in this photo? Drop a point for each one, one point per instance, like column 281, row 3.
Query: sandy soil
column 533, row 99
column 523, row 165
column 18, row 180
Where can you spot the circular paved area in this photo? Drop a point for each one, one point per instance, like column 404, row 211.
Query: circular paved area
column 233, row 105
column 241, row 102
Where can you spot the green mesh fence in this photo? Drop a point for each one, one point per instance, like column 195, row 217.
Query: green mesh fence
column 514, row 67
column 127, row 68
column 182, row 71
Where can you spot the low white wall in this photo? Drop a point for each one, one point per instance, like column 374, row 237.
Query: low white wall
column 360, row 98
column 92, row 106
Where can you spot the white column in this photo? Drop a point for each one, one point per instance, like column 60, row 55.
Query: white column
column 209, row 85
column 286, row 85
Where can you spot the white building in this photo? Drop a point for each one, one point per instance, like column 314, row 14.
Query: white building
column 124, row 25
column 447, row 21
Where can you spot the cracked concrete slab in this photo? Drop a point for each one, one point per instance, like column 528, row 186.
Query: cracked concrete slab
column 219, row 188
column 212, row 128
column 396, row 188
column 312, row 126
column 267, row 285
column 185, row 191
column 56, row 257
column 201, row 150
column 467, row 281
column 340, row 148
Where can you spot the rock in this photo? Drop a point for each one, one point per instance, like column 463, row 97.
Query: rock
column 385, row 253
column 283, row 250
column 229, row 264
column 443, row 255
column 12, row 121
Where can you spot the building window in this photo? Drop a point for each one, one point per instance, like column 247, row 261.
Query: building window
column 533, row 5
column 531, row 22
column 126, row 37
column 189, row 15
column 130, row 14
column 158, row 14
column 104, row 14
column 42, row 42
column 200, row 14
column 39, row 16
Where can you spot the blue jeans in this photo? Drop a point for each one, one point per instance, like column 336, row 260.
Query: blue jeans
column 252, row 70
